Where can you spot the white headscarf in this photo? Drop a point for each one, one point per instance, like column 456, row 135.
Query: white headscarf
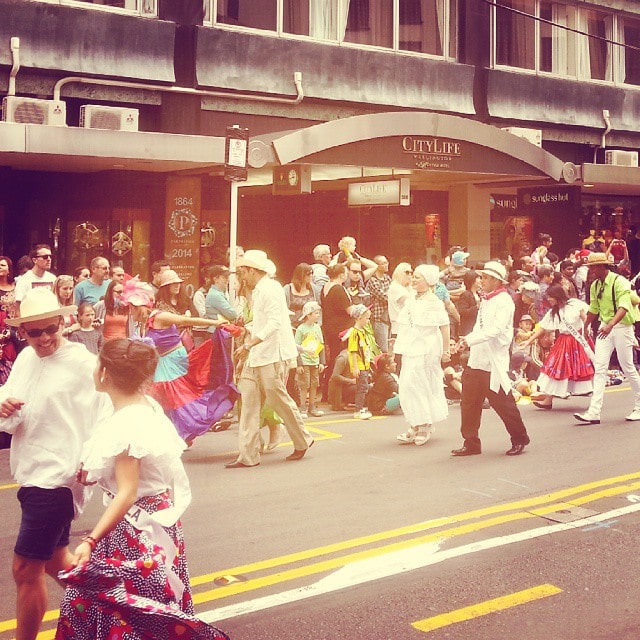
column 429, row 273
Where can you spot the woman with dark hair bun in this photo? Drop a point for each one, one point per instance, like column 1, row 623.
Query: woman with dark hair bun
column 568, row 369
column 130, row 573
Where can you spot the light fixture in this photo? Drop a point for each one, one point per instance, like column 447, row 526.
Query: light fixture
column 588, row 186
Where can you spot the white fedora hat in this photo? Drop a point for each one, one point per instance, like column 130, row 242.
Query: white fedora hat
column 495, row 269
column 257, row 259
column 40, row 303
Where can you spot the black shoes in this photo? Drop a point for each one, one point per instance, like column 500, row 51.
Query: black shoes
column 516, row 450
column 298, row 454
column 239, row 465
column 466, row 451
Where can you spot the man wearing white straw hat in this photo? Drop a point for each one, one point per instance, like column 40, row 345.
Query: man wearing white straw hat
column 263, row 376
column 49, row 404
column 486, row 374
column 611, row 303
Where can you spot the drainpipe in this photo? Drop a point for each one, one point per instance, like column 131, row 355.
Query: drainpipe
column 297, row 80
column 15, row 56
column 603, row 142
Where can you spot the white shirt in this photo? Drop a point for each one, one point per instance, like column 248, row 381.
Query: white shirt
column 396, row 298
column 419, row 325
column 571, row 313
column 29, row 280
column 490, row 339
column 61, row 408
column 147, row 434
column 272, row 324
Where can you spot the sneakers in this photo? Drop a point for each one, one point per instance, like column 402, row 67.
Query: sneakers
column 363, row 414
column 633, row 416
column 408, row 437
column 316, row 413
column 587, row 419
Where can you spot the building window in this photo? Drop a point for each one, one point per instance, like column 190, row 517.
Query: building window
column 594, row 54
column 257, row 14
column 422, row 26
column 515, row 34
column 370, row 22
column 553, row 37
column 555, row 44
column 631, row 36
column 141, row 7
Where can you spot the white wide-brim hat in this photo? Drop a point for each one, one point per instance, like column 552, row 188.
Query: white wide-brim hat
column 38, row 304
column 256, row 259
column 495, row 269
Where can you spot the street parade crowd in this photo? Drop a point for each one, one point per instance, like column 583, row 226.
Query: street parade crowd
column 107, row 380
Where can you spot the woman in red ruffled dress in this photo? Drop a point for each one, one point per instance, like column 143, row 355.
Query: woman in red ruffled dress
column 568, row 369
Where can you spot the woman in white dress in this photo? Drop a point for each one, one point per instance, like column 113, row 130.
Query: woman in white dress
column 129, row 577
column 423, row 332
column 568, row 369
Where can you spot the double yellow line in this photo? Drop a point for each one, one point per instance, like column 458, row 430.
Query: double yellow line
column 402, row 538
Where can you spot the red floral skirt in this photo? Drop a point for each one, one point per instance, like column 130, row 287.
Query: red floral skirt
column 123, row 591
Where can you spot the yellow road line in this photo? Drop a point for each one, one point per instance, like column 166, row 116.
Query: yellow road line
column 527, row 503
column 9, row 486
column 551, row 502
column 484, row 608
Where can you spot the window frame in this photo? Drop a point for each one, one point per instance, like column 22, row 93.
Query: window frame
column 212, row 6
column 108, row 9
column 579, row 18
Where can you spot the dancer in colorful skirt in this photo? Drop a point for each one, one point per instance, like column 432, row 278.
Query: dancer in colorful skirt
column 129, row 577
column 568, row 369
column 195, row 389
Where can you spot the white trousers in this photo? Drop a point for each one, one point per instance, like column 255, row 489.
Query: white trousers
column 622, row 339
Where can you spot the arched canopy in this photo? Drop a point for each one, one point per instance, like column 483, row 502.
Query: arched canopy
column 409, row 140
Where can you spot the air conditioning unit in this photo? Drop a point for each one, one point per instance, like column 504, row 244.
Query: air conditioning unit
column 621, row 158
column 534, row 136
column 93, row 116
column 34, row 111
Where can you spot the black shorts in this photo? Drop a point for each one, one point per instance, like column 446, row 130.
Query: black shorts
column 46, row 521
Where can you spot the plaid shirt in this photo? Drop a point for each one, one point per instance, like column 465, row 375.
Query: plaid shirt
column 379, row 290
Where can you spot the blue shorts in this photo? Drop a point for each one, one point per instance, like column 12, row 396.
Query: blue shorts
column 46, row 521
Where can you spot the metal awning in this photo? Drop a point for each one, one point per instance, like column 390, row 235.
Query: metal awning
column 39, row 147
column 611, row 179
column 401, row 140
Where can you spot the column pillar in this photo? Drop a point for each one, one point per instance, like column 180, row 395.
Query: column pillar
column 469, row 220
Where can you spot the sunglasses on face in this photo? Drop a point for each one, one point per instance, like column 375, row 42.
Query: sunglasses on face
column 36, row 333
column 45, row 257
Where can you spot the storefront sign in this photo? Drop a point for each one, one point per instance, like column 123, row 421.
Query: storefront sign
column 431, row 152
column 547, row 198
column 503, row 203
column 236, row 149
column 380, row 192
column 182, row 227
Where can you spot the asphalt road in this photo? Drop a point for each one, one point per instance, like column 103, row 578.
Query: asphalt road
column 365, row 538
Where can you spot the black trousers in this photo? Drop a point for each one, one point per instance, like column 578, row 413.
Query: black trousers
column 475, row 388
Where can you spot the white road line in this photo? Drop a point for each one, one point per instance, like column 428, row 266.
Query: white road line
column 397, row 562
column 517, row 484
column 479, row 493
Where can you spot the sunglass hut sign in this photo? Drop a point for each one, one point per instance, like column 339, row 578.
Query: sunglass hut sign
column 432, row 152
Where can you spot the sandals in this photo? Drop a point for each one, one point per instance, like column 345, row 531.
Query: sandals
column 423, row 435
column 540, row 405
column 408, row 437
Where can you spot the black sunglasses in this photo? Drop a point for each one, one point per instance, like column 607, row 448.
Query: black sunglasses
column 36, row 333
column 45, row 257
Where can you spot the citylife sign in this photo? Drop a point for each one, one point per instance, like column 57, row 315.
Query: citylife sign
column 380, row 192
column 431, row 152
